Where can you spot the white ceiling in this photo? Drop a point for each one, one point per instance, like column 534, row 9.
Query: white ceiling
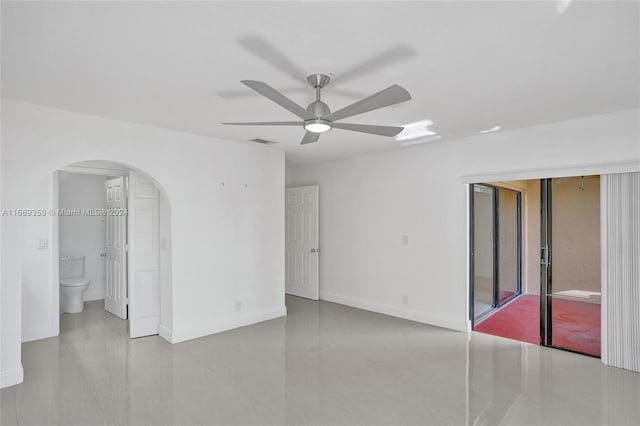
column 468, row 65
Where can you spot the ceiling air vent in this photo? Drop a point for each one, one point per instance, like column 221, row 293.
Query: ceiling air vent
column 262, row 141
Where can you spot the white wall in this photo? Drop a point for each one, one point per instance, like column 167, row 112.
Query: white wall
column 227, row 211
column 367, row 203
column 84, row 235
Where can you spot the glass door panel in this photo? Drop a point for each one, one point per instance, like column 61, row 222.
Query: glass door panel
column 509, row 244
column 571, row 263
column 496, row 250
column 576, row 264
column 484, row 249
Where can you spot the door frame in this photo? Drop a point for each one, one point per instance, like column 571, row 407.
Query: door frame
column 496, row 248
column 54, row 240
column 546, row 302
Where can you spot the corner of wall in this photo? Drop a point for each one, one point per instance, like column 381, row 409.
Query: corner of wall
column 166, row 333
column 394, row 311
column 224, row 325
column 12, row 377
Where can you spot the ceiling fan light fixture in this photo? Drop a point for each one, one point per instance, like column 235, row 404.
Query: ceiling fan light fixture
column 317, row 126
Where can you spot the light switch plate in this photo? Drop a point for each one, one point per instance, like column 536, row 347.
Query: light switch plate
column 43, row 243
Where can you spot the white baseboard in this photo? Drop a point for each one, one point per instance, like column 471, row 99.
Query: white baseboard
column 37, row 334
column 92, row 297
column 12, row 377
column 398, row 312
column 228, row 324
column 166, row 333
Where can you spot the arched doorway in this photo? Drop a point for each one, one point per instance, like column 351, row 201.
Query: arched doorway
column 132, row 271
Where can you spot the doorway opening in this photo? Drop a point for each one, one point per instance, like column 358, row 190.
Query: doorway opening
column 110, row 245
column 558, row 253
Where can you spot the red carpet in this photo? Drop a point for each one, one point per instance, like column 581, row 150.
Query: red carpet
column 576, row 325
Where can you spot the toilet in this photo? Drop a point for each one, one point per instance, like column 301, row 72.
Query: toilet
column 72, row 283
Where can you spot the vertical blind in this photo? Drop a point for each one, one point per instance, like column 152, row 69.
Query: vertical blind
column 620, row 229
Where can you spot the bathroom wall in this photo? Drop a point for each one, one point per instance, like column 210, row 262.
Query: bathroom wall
column 84, row 235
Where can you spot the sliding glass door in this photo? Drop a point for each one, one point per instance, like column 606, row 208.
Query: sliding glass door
column 570, row 264
column 496, row 248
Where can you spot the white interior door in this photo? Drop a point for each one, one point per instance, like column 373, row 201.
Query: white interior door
column 144, row 257
column 302, row 242
column 115, row 300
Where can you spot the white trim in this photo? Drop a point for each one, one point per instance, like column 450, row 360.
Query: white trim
column 166, row 333
column 469, row 327
column 12, row 377
column 228, row 324
column 54, row 262
column 558, row 171
column 394, row 311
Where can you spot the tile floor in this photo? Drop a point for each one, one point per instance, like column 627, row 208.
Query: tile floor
column 323, row 364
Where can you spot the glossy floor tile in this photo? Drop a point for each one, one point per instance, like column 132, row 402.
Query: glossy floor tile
column 322, row 364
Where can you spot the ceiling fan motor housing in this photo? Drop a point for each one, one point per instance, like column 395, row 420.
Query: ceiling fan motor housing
column 318, row 109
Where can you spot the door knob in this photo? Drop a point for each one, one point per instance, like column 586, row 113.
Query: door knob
column 315, row 250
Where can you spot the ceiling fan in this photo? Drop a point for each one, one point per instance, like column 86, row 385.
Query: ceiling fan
column 318, row 118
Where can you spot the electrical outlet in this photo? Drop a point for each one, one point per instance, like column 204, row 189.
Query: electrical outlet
column 405, row 299
column 405, row 240
column 238, row 306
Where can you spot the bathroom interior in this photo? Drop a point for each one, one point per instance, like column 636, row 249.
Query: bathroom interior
column 81, row 240
column 536, row 258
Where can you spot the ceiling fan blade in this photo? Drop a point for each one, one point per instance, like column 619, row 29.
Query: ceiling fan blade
column 242, row 93
column 369, row 128
column 310, row 137
column 273, row 56
column 377, row 62
column 266, row 123
column 390, row 96
column 267, row 91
